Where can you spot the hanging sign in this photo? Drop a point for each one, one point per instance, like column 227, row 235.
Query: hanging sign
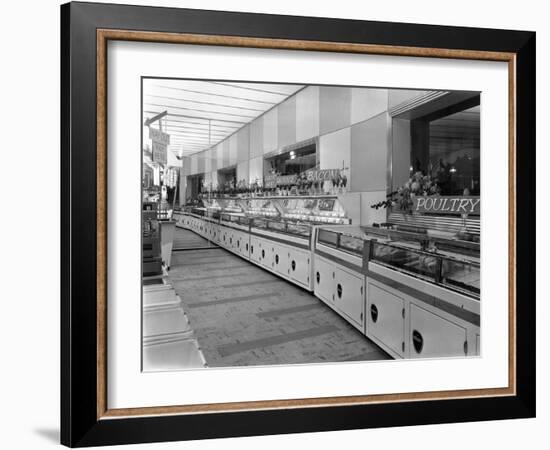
column 161, row 140
column 160, row 137
column 448, row 205
column 160, row 152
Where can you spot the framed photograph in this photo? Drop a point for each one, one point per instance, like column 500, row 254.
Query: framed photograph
column 279, row 224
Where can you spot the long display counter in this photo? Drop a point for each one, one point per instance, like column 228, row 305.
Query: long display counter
column 412, row 302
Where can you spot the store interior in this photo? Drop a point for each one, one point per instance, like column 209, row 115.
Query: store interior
column 302, row 224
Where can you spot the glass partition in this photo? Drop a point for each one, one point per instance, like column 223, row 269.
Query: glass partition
column 352, row 244
column 329, row 238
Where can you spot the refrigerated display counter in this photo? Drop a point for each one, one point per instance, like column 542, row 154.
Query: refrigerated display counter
column 415, row 294
column 422, row 304
column 339, row 278
column 460, row 275
column 232, row 233
column 283, row 247
column 316, row 209
column 408, row 296
column 261, row 207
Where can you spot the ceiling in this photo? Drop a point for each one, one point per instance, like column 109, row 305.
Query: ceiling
column 203, row 113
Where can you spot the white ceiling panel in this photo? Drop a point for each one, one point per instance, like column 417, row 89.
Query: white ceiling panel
column 201, row 114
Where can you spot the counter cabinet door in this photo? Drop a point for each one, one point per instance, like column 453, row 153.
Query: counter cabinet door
column 231, row 239
column 324, row 280
column 266, row 253
column 350, row 296
column 245, row 245
column 385, row 318
column 225, row 238
column 280, row 259
column 299, row 266
column 255, row 249
column 431, row 335
column 237, row 236
column 215, row 231
column 239, row 242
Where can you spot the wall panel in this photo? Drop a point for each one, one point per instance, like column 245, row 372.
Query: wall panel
column 233, row 149
column 286, row 122
column 270, row 130
column 242, row 171
column 401, row 152
column 201, row 166
column 219, row 156
column 194, row 164
column 369, row 153
column 257, row 137
column 367, row 103
column 214, row 159
column 335, row 108
column 225, row 154
column 335, row 150
column 256, row 170
column 207, row 155
column 243, row 144
column 307, row 113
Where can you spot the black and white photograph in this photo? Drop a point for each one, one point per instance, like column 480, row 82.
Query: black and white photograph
column 306, row 224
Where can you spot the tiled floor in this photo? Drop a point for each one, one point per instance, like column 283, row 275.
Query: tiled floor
column 244, row 315
column 187, row 239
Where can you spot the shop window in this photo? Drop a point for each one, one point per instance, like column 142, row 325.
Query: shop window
column 446, row 145
column 292, row 161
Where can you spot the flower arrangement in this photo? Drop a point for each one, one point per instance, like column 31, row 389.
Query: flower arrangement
column 417, row 185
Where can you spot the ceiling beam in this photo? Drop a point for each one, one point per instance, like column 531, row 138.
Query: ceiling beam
column 204, row 103
column 251, row 89
column 200, row 117
column 218, row 95
column 201, row 110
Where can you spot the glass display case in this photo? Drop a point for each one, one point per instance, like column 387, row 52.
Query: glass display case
column 315, row 209
column 261, row 207
column 312, row 209
column 342, row 240
column 198, row 211
column 229, row 205
column 282, row 226
column 258, row 222
column 299, row 229
column 459, row 275
column 352, row 244
column 234, row 218
column 278, row 226
column 407, row 260
column 232, row 205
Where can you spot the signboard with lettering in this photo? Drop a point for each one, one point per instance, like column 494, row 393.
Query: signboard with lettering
column 160, row 153
column 272, row 181
column 160, row 137
column 447, row 205
column 161, row 140
column 322, row 174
